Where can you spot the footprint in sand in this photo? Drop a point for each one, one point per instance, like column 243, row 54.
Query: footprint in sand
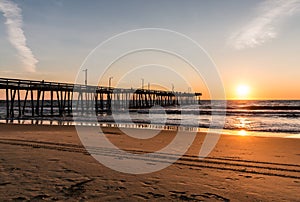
column 246, row 176
column 233, row 179
column 20, row 198
column 177, row 192
column 39, row 197
column 150, row 182
column 211, row 196
column 156, row 195
column 141, row 196
column 183, row 196
column 4, row 183
column 53, row 159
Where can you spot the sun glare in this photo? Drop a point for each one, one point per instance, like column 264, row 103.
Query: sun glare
column 242, row 91
column 242, row 133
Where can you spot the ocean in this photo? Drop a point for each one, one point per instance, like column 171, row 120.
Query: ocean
column 267, row 116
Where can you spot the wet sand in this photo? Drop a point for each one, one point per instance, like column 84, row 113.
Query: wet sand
column 50, row 163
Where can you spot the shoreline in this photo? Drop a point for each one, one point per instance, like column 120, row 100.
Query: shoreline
column 147, row 126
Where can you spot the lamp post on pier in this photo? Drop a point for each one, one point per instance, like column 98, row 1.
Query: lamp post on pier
column 85, row 80
column 109, row 81
column 142, row 83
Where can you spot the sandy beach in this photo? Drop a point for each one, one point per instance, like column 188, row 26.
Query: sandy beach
column 50, row 163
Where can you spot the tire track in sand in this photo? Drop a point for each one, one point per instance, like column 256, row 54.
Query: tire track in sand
column 236, row 165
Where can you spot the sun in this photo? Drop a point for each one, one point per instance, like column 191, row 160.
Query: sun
column 242, row 133
column 242, row 91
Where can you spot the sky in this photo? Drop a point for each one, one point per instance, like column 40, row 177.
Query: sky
column 251, row 43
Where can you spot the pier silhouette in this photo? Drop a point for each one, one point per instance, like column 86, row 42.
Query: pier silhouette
column 31, row 98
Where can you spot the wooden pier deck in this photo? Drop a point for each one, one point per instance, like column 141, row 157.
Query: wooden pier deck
column 30, row 98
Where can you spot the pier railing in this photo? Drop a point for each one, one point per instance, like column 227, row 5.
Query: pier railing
column 32, row 98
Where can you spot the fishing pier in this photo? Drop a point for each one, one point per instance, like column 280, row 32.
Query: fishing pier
column 31, row 98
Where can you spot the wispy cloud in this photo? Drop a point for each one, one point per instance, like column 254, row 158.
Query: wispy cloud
column 14, row 23
column 264, row 27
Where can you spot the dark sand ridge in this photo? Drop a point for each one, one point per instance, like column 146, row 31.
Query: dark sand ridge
column 49, row 162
